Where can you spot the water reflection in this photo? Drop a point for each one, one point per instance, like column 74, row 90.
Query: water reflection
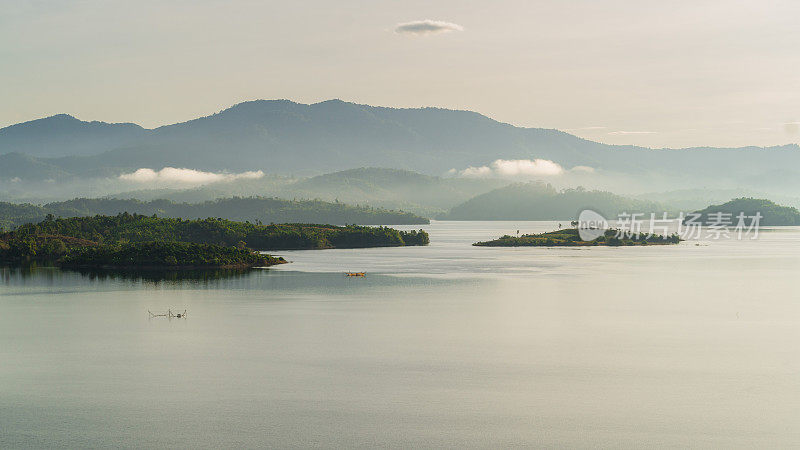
column 50, row 273
column 155, row 276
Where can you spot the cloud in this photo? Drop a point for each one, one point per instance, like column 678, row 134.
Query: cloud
column 514, row 168
column 625, row 133
column 172, row 175
column 426, row 27
column 517, row 167
column 476, row 172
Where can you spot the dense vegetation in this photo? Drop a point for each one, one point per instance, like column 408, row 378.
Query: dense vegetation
column 165, row 254
column 137, row 241
column 570, row 238
column 138, row 228
column 539, row 201
column 771, row 214
column 237, row 208
column 75, row 252
column 13, row 214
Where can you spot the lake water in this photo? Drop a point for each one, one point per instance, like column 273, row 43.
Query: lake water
column 441, row 346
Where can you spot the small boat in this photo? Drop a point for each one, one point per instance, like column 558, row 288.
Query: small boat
column 356, row 274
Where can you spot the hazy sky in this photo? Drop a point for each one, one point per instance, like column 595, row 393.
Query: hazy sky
column 652, row 73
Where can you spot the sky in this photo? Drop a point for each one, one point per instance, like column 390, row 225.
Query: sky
column 651, row 73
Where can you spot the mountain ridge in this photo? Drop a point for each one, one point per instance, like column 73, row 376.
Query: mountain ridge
column 241, row 105
column 283, row 136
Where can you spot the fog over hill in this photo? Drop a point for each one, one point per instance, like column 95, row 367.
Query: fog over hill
column 426, row 195
column 539, row 201
column 392, row 188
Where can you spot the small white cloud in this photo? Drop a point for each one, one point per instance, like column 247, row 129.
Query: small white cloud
column 426, row 27
column 514, row 168
column 181, row 176
column 523, row 167
column 585, row 169
column 624, row 133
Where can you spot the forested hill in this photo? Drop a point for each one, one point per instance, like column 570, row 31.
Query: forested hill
column 538, row 201
column 266, row 210
column 771, row 213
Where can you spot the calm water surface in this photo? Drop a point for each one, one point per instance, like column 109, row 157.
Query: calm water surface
column 447, row 346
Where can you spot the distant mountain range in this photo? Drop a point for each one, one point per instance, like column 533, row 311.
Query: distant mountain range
column 280, row 136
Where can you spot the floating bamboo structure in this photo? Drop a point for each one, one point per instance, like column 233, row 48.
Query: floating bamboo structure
column 169, row 314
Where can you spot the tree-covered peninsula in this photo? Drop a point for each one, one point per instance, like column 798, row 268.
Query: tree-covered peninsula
column 570, row 237
column 136, row 241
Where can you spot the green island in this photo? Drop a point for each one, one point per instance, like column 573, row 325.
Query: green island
column 137, row 241
column 569, row 237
